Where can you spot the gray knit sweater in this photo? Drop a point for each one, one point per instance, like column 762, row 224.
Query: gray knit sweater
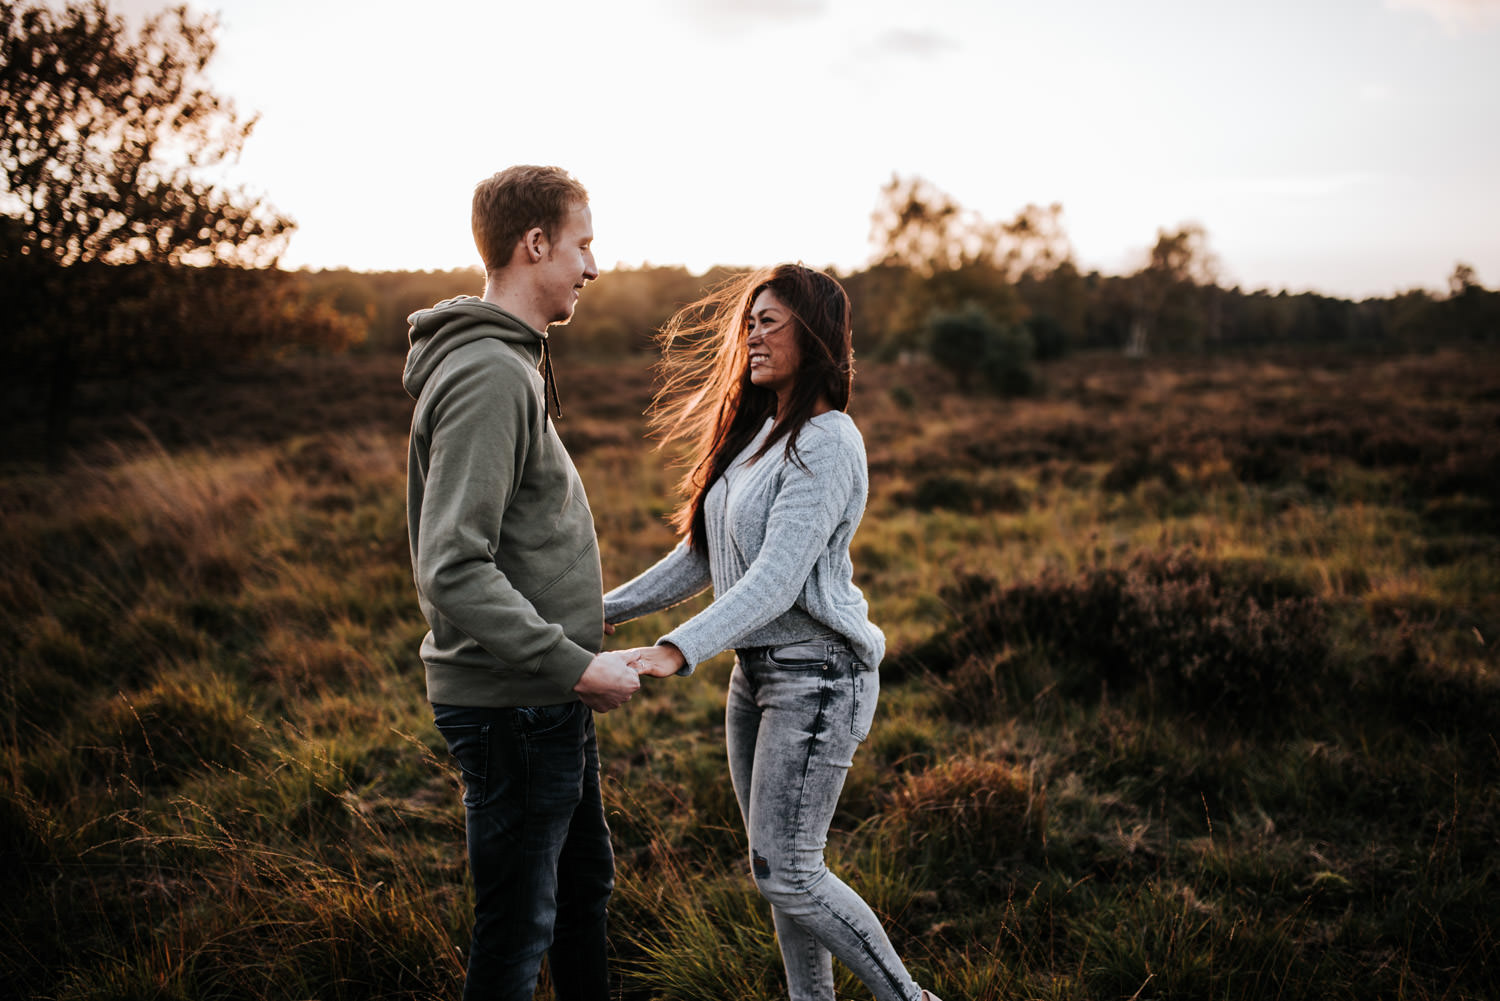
column 778, row 553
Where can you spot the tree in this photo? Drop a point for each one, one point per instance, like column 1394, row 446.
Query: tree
column 917, row 226
column 107, row 137
column 1033, row 245
column 920, row 228
column 1176, row 292
column 948, row 255
column 1470, row 312
column 109, row 142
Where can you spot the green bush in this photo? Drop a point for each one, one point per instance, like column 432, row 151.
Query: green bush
column 1048, row 335
column 969, row 343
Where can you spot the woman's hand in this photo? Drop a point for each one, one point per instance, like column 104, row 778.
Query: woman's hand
column 660, row 661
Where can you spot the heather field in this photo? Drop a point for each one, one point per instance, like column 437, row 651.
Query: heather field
column 1193, row 693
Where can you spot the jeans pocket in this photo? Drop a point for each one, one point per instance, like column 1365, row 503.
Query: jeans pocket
column 798, row 656
column 866, row 686
column 469, row 745
column 536, row 721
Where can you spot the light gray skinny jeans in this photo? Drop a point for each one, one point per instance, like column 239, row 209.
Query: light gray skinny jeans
column 796, row 714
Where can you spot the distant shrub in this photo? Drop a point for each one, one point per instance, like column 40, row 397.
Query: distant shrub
column 1007, row 365
column 1081, row 441
column 1472, row 469
column 1211, row 640
column 1460, row 514
column 965, row 494
column 1137, row 467
column 958, row 340
column 1389, row 447
column 1258, row 462
column 1049, row 337
column 970, row 343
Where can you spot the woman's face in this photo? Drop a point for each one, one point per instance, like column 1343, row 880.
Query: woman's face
column 771, row 335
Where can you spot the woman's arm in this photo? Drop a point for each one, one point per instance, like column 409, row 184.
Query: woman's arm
column 807, row 510
column 675, row 578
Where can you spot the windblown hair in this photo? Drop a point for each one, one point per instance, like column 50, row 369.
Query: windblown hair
column 520, row 198
column 707, row 401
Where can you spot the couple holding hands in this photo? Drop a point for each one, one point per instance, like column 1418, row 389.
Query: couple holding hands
column 507, row 569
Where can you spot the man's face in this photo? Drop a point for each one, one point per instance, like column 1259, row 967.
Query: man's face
column 567, row 265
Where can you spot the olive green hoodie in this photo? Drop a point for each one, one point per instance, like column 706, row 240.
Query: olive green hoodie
column 502, row 539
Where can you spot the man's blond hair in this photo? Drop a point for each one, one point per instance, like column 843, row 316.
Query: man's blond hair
column 516, row 200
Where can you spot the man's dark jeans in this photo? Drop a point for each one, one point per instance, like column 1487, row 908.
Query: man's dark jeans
column 538, row 848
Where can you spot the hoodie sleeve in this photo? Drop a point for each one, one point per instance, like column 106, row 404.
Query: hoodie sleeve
column 481, row 420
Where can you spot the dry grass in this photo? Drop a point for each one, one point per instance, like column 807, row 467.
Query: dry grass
column 1191, row 694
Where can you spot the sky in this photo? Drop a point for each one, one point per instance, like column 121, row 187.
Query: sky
column 1348, row 147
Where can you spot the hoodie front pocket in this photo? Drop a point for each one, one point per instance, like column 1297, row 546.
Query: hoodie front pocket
column 541, row 592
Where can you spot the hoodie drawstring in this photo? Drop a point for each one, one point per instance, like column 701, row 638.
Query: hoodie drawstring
column 549, row 382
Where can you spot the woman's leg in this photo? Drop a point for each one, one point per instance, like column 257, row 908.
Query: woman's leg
column 812, row 716
column 809, row 966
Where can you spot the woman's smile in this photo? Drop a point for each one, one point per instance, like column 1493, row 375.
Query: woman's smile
column 774, row 354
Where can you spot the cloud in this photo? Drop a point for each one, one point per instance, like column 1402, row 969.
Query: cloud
column 721, row 14
column 1293, row 186
column 906, row 42
column 770, row 8
column 1454, row 15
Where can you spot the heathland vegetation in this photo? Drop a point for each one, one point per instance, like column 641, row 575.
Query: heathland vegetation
column 1192, row 692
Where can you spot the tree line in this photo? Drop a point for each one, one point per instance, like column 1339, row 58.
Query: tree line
column 120, row 255
column 1169, row 305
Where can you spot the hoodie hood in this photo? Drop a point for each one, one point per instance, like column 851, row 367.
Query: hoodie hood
column 455, row 322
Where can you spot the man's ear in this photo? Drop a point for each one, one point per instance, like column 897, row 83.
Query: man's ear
column 534, row 244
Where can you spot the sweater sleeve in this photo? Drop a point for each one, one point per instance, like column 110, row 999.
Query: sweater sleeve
column 481, row 432
column 807, row 509
column 675, row 578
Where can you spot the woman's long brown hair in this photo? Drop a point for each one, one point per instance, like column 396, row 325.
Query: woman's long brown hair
column 707, row 401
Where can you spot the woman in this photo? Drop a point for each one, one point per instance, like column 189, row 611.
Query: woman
column 776, row 486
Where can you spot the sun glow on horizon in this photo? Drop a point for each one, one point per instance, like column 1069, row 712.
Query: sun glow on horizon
column 739, row 134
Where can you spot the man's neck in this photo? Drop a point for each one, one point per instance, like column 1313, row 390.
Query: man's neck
column 514, row 301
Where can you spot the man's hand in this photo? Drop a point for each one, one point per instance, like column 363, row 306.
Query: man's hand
column 607, row 683
column 660, row 661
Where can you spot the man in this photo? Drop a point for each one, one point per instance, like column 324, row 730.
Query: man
column 507, row 572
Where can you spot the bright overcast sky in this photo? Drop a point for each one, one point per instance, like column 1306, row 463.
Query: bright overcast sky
column 1346, row 146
